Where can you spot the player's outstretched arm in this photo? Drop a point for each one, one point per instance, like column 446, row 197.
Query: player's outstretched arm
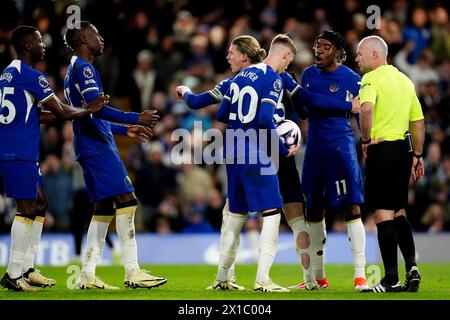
column 320, row 101
column 195, row 101
column 137, row 132
column 65, row 111
column 302, row 96
column 146, row 118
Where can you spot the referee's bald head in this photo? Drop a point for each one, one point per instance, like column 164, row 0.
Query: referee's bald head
column 371, row 53
column 375, row 43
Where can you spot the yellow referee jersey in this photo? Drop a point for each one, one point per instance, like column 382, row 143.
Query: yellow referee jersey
column 395, row 102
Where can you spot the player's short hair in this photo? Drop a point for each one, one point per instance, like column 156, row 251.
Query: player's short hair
column 337, row 40
column 72, row 35
column 250, row 46
column 19, row 36
column 285, row 40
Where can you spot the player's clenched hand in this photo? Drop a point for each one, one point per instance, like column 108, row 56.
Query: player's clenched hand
column 148, row 118
column 98, row 103
column 181, row 91
column 356, row 105
column 140, row 133
column 293, row 150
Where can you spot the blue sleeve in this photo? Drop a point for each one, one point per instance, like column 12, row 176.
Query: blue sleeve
column 289, row 83
column 319, row 101
column 198, row 101
column 87, row 80
column 223, row 113
column 267, row 109
column 111, row 114
column 118, row 130
column 357, row 85
column 39, row 86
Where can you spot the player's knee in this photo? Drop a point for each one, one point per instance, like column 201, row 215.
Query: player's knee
column 303, row 240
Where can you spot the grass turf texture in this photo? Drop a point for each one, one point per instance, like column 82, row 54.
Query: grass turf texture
column 188, row 282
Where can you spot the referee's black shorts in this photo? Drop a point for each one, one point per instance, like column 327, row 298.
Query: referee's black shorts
column 388, row 169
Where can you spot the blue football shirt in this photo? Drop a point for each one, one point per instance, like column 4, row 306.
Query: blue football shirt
column 22, row 90
column 330, row 127
column 93, row 135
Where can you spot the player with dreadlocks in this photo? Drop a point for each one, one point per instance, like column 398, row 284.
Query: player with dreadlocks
column 331, row 175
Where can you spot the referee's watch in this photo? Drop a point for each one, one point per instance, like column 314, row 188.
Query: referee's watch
column 418, row 156
column 365, row 142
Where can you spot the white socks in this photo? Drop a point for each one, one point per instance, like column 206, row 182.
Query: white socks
column 357, row 237
column 318, row 236
column 268, row 241
column 127, row 236
column 229, row 239
column 225, row 215
column 302, row 241
column 20, row 239
column 95, row 243
column 35, row 238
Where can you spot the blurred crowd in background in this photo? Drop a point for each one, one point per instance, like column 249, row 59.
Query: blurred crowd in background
column 151, row 46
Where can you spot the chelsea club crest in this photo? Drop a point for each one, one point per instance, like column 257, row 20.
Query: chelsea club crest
column 334, row 87
column 87, row 72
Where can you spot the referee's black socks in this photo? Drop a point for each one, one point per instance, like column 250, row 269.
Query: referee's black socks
column 405, row 241
column 387, row 240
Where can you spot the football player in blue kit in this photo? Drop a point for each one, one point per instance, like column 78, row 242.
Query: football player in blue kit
column 244, row 51
column 331, row 175
column 23, row 91
column 106, row 179
column 248, row 108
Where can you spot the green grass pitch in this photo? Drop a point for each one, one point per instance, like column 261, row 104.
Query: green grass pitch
column 188, row 282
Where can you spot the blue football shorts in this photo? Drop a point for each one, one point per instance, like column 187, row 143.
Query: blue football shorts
column 21, row 178
column 105, row 176
column 249, row 190
column 331, row 176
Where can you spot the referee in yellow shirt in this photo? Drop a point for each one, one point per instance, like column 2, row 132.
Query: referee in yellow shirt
column 389, row 111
